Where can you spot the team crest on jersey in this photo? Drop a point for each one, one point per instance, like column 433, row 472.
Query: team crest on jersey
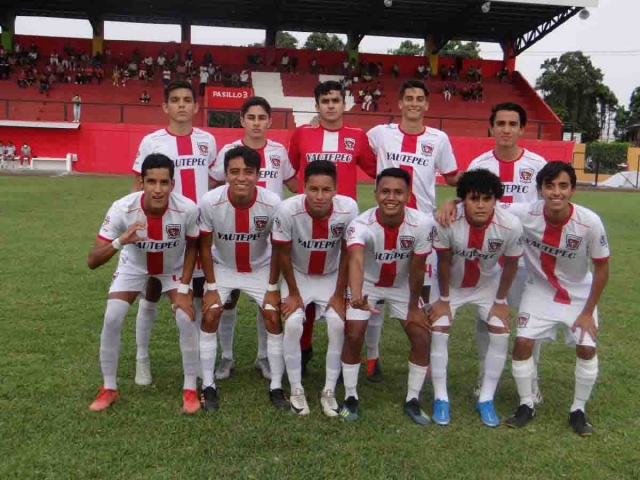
column 260, row 222
column 278, row 224
column 523, row 319
column 203, row 148
column 106, row 222
column 275, row 161
column 435, row 236
column 351, row 231
column 494, row 244
column 573, row 242
column 526, row 175
column 603, row 241
column 349, row 143
column 173, row 231
column 406, row 242
column 426, row 149
column 337, row 229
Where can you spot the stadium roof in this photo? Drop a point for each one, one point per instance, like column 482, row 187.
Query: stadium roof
column 447, row 19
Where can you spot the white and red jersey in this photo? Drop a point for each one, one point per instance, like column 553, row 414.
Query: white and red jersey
column 275, row 167
column 193, row 155
column 422, row 155
column 476, row 251
column 347, row 147
column 559, row 258
column 240, row 235
column 388, row 251
column 315, row 244
column 163, row 250
column 518, row 176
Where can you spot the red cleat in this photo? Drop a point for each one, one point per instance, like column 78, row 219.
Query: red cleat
column 104, row 399
column 190, row 401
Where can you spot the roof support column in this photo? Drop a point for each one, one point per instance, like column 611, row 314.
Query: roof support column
column 431, row 52
column 97, row 25
column 185, row 31
column 509, row 54
column 8, row 23
column 353, row 42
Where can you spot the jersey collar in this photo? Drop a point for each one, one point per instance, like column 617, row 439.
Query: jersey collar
column 253, row 202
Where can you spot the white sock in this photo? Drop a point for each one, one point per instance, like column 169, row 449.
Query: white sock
column 145, row 319
column 494, row 365
column 110, row 341
column 482, row 338
column 291, row 348
column 276, row 359
column 586, row 373
column 335, row 332
column 373, row 334
column 197, row 304
column 350, row 375
column 208, row 350
column 226, row 331
column 189, row 347
column 417, row 374
column 439, row 361
column 523, row 371
column 537, row 350
column 262, row 335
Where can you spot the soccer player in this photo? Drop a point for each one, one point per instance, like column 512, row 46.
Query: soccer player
column 561, row 242
column 151, row 228
column 25, row 155
column 422, row 152
column 331, row 140
column 275, row 172
column 469, row 274
column 309, row 234
column 236, row 218
column 10, row 153
column 388, row 246
column 193, row 152
column 2, row 153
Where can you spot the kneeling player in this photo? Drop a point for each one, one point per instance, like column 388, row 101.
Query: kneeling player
column 468, row 273
column 309, row 232
column 388, row 246
column 152, row 227
column 561, row 240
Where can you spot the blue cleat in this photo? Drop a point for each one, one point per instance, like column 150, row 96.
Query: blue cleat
column 488, row 413
column 441, row 414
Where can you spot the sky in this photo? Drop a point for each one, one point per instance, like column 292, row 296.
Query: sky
column 608, row 37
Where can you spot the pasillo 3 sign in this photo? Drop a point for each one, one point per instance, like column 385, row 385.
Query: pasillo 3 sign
column 223, row 97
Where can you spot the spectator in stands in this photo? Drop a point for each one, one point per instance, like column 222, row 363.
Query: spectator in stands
column 188, row 63
column 31, row 77
column 65, row 63
column 446, row 92
column 366, row 103
column 453, row 73
column 126, row 76
column 80, row 76
column 396, row 70
column 107, row 55
column 166, row 76
column 60, row 73
column 427, row 72
column 284, row 63
column 145, row 97
column 17, row 49
column 53, row 59
column 43, row 84
column 295, row 61
column 5, row 69
column 479, row 74
column 148, row 61
column 235, row 80
column 217, row 73
column 313, row 66
column 33, row 57
column 377, row 93
column 204, row 80
column 88, row 74
column 142, row 71
column 133, row 69
column 478, row 93
column 471, row 74
column 420, row 73
column 244, row 78
column 181, row 71
column 367, row 77
column 466, row 93
column 380, row 69
column 22, row 79
column 76, row 100
column 116, row 76
column 208, row 58
column 345, row 67
column 85, row 58
column 99, row 74
column 502, row 74
column 161, row 61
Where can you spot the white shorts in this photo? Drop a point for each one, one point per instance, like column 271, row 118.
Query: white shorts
column 539, row 317
column 254, row 284
column 431, row 271
column 396, row 297
column 316, row 289
column 124, row 281
column 482, row 296
column 517, row 287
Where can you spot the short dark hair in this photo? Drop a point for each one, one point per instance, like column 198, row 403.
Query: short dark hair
column 250, row 156
column 157, row 160
column 255, row 102
column 482, row 182
column 413, row 84
column 552, row 170
column 394, row 173
column 325, row 87
column 508, row 107
column 321, row 167
column 175, row 85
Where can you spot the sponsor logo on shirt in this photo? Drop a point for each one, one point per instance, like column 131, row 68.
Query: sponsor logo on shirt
column 407, row 242
column 573, row 242
column 410, row 159
column 511, row 188
column 426, row 149
column 275, row 161
column 173, row 231
column 554, row 251
column 203, row 148
column 337, row 229
column 190, row 162
column 494, row 244
column 260, row 222
column 318, row 244
column 523, row 319
column 526, row 175
column 331, row 157
column 349, row 143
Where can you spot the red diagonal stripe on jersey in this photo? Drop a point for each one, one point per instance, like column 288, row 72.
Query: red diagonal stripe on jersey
column 389, row 270
column 243, row 249
column 471, row 274
column 155, row 260
column 410, row 145
column 317, row 259
column 552, row 236
column 187, row 175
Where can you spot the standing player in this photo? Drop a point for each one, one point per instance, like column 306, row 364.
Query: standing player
column 25, row 155
column 469, row 273
column 422, row 152
column 193, row 152
column 561, row 241
column 388, row 246
column 331, row 140
column 152, row 228
column 309, row 232
column 275, row 172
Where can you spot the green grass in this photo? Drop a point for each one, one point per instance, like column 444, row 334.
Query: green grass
column 50, row 320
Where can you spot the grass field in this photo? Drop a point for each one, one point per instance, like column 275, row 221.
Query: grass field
column 50, row 320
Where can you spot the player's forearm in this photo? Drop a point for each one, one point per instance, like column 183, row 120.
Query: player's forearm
column 509, row 271
column 206, row 259
column 292, row 184
column 356, row 271
column 213, row 183
column 190, row 255
column 274, row 266
column 343, row 272
column 600, row 278
column 100, row 255
column 444, row 272
column 284, row 257
column 416, row 280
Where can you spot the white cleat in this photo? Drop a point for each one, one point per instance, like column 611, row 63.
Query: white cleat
column 263, row 367
column 226, row 368
column 298, row 402
column 329, row 404
column 143, row 372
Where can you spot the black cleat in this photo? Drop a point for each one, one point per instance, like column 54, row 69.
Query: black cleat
column 307, row 355
column 374, row 371
column 521, row 417
column 415, row 413
column 349, row 410
column 209, row 398
column 278, row 399
column 580, row 423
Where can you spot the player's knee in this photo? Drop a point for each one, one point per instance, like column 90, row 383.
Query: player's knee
column 353, row 337
column 211, row 320
column 293, row 325
column 335, row 327
column 115, row 314
column 523, row 348
column 585, row 352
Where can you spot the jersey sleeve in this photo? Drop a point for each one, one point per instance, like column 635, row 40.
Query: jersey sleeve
column 598, row 242
column 144, row 150
column 294, row 150
column 281, row 231
column 213, row 151
column 441, row 238
column 353, row 214
column 288, row 172
column 446, row 161
column 514, row 247
column 216, row 171
column 193, row 229
column 367, row 159
column 424, row 241
column 205, row 219
column 518, row 210
column 113, row 225
column 357, row 233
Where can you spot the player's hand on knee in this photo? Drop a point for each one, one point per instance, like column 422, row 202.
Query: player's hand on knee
column 587, row 325
column 135, row 233
column 290, row 304
column 502, row 312
column 416, row 317
column 438, row 310
column 185, row 302
column 362, row 303
column 210, row 301
column 339, row 304
column 271, row 302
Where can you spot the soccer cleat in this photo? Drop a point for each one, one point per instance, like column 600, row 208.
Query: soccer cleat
column 278, row 399
column 441, row 415
column 143, row 372
column 580, row 423
column 521, row 417
column 329, row 403
column 104, row 399
column 374, row 370
column 190, row 402
column 306, row 356
column 263, row 367
column 209, row 398
column 225, row 369
column 415, row 413
column 535, row 392
column 349, row 411
column 488, row 413
column 298, row 402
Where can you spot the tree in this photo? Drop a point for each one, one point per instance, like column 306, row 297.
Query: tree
column 456, row 48
column 324, row 41
column 625, row 117
column 283, row 40
column 407, row 47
